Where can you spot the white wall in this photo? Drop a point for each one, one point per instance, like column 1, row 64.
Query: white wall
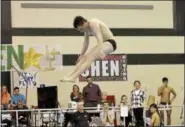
column 149, row 75
column 160, row 17
column 126, row 44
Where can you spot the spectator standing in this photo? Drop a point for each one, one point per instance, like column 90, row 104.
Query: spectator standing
column 124, row 102
column 138, row 98
column 164, row 92
column 91, row 93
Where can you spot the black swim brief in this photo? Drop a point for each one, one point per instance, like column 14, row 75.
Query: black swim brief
column 113, row 42
column 165, row 103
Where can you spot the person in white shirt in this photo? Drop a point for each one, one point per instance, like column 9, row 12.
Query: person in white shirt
column 138, row 98
column 105, row 45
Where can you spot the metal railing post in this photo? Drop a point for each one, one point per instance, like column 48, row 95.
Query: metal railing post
column 39, row 117
column 17, row 118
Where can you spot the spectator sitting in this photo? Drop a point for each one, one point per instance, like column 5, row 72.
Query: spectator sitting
column 155, row 117
column 104, row 97
column 23, row 117
column 107, row 116
column 75, row 95
column 81, row 118
column 5, row 101
column 17, row 97
column 5, row 97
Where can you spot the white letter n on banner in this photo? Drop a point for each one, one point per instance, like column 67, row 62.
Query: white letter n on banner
column 114, row 70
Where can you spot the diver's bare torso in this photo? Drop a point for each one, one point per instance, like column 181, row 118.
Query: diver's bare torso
column 105, row 31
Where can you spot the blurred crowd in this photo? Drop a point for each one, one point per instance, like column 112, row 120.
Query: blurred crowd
column 92, row 96
column 16, row 101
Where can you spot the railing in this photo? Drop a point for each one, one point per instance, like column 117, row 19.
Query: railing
column 57, row 111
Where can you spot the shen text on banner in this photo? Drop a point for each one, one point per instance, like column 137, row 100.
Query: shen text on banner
column 112, row 68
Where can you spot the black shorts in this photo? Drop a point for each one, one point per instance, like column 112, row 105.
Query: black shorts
column 164, row 103
column 113, row 43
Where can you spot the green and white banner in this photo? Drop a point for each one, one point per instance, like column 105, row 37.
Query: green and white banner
column 31, row 57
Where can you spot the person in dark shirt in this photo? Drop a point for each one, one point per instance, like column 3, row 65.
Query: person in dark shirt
column 23, row 117
column 75, row 95
column 91, row 93
column 81, row 118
